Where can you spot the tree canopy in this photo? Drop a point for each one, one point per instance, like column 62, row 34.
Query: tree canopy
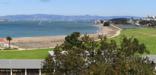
column 81, row 55
column 8, row 38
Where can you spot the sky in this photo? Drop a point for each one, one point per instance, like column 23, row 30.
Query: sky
column 79, row 7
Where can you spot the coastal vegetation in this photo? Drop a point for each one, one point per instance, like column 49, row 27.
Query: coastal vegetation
column 119, row 20
column 106, row 24
column 84, row 56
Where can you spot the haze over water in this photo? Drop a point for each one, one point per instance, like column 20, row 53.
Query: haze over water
column 44, row 28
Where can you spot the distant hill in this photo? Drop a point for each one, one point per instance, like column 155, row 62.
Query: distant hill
column 118, row 19
column 47, row 17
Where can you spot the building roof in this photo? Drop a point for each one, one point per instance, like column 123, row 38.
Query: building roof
column 2, row 40
column 20, row 64
column 34, row 63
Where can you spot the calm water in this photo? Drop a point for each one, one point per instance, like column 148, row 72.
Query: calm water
column 46, row 28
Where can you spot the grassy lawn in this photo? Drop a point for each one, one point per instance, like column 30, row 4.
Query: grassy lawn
column 26, row 54
column 145, row 35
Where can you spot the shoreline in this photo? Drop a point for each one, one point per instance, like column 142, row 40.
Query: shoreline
column 24, row 39
column 41, row 42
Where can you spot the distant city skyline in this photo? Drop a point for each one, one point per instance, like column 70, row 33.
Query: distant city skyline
column 79, row 7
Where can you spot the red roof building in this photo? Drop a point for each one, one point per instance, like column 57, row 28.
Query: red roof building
column 3, row 43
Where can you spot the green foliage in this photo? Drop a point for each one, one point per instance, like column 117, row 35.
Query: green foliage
column 49, row 66
column 72, row 40
column 8, row 38
column 119, row 20
column 84, row 56
column 106, row 24
column 131, row 46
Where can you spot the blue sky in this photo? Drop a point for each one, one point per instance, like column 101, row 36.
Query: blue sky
column 79, row 7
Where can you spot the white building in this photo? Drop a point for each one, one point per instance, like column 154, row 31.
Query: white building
column 3, row 43
column 149, row 18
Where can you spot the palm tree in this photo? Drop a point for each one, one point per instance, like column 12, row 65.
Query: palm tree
column 8, row 38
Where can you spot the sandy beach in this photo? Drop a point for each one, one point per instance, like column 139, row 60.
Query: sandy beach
column 52, row 41
column 38, row 42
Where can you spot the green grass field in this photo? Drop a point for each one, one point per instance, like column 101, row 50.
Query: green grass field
column 25, row 54
column 144, row 35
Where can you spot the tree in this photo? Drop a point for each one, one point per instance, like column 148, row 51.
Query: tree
column 8, row 38
column 72, row 40
column 84, row 56
column 49, row 66
column 106, row 24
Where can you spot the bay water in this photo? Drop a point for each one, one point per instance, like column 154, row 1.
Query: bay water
column 44, row 28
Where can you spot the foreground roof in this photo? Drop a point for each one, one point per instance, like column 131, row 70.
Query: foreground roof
column 20, row 64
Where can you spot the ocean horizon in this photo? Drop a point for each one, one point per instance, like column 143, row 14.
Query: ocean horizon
column 44, row 28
